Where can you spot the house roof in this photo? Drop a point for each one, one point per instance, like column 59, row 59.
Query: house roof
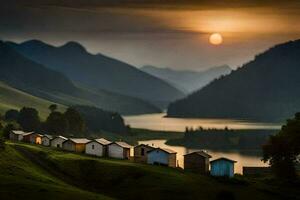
column 48, row 136
column 222, row 158
column 169, row 151
column 79, row 140
column 200, row 153
column 102, row 141
column 62, row 137
column 122, row 144
column 25, row 134
column 19, row 132
column 145, row 145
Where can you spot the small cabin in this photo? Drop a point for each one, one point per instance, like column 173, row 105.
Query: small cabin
column 197, row 162
column 140, row 152
column 27, row 137
column 75, row 144
column 119, row 150
column 58, row 141
column 46, row 140
column 36, row 138
column 162, row 156
column 97, row 147
column 16, row 135
column 222, row 167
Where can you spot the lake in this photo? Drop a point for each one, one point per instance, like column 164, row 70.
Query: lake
column 243, row 158
column 159, row 122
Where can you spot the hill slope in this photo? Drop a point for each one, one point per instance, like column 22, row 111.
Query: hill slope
column 99, row 71
column 123, row 179
column 37, row 80
column 12, row 98
column 267, row 89
column 22, row 179
column 187, row 80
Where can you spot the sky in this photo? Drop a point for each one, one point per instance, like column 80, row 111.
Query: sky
column 163, row 33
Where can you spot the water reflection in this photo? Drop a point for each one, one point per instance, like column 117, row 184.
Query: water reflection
column 158, row 122
column 243, row 158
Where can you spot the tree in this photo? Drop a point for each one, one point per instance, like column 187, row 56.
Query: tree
column 283, row 149
column 76, row 122
column 8, row 128
column 11, row 115
column 52, row 107
column 29, row 119
column 56, row 123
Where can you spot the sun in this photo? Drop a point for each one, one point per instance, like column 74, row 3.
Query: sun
column 216, row 39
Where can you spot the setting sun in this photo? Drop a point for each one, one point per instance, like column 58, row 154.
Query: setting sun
column 216, row 39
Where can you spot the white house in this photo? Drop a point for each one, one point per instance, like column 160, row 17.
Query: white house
column 58, row 141
column 97, row 147
column 46, row 140
column 16, row 135
column 119, row 150
column 160, row 156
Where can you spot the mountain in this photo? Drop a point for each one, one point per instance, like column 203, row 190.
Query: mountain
column 28, row 76
column 187, row 80
column 266, row 89
column 99, row 71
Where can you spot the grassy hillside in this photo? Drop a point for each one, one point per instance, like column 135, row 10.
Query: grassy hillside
column 35, row 167
column 22, row 179
column 11, row 98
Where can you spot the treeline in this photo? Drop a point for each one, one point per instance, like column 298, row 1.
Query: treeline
column 223, row 138
column 76, row 121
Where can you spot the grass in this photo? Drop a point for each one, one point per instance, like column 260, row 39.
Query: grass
column 22, row 179
column 117, row 178
column 11, row 98
column 136, row 135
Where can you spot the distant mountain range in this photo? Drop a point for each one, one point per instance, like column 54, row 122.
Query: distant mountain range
column 187, row 80
column 37, row 80
column 266, row 89
column 99, row 71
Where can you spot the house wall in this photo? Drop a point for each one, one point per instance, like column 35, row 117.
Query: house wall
column 158, row 157
column 33, row 138
column 27, row 138
column 45, row 141
column 222, row 168
column 97, row 151
column 38, row 140
column 115, row 151
column 69, row 146
column 13, row 137
column 80, row 148
column 172, row 160
column 196, row 163
column 138, row 157
column 57, row 142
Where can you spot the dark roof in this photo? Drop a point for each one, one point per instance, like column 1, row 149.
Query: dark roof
column 145, row 145
column 48, row 136
column 169, row 151
column 62, row 137
column 222, row 158
column 200, row 153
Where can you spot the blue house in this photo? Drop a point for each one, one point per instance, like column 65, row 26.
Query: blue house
column 160, row 156
column 222, row 167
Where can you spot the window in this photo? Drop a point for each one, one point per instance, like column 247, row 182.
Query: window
column 93, row 146
column 142, row 151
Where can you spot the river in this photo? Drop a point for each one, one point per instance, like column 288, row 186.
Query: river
column 160, row 123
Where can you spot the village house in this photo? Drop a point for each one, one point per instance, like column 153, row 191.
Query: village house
column 140, row 152
column 222, row 167
column 162, row 156
column 46, row 140
column 197, row 162
column 36, row 138
column 97, row 147
column 75, row 144
column 27, row 137
column 119, row 150
column 58, row 141
column 16, row 135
